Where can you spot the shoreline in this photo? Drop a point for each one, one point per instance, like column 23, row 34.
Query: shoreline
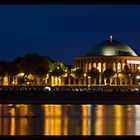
column 69, row 97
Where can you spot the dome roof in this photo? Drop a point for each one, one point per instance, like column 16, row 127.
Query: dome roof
column 111, row 47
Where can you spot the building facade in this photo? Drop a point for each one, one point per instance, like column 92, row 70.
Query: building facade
column 110, row 54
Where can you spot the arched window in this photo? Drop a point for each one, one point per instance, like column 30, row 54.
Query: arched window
column 114, row 66
column 99, row 67
column 104, row 67
column 119, row 67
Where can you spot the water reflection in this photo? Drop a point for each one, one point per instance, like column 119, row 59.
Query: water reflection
column 23, row 119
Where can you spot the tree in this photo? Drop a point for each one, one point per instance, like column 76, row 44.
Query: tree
column 126, row 70
column 36, row 65
column 3, row 68
column 94, row 73
column 79, row 73
column 127, row 73
column 109, row 73
column 69, row 76
column 58, row 70
column 12, row 70
column 3, row 71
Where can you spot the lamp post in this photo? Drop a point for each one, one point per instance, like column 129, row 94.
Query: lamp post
column 89, row 82
column 85, row 78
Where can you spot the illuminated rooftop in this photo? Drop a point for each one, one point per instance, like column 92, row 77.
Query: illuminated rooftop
column 111, row 47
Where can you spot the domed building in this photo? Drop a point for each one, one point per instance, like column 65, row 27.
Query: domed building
column 110, row 54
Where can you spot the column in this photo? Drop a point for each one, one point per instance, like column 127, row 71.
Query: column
column 101, row 71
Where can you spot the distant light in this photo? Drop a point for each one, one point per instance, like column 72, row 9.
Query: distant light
column 137, row 77
column 47, row 88
column 108, row 51
column 110, row 38
column 133, row 61
column 20, row 74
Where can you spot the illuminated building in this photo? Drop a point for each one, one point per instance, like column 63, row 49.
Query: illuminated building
column 110, row 54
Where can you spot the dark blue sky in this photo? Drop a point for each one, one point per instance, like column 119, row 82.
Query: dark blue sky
column 63, row 32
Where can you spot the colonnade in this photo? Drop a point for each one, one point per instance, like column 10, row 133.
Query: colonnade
column 117, row 63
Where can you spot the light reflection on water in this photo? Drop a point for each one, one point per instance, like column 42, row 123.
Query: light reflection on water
column 23, row 119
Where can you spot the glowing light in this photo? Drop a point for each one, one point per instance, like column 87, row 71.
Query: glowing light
column 110, row 38
column 133, row 62
column 85, row 120
column 89, row 81
column 28, row 83
column 53, row 120
column 85, row 74
column 99, row 119
column 137, row 77
column 108, row 52
column 20, row 74
column 118, row 122
column 5, row 81
column 12, row 132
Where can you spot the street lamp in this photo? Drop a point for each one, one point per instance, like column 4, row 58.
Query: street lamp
column 85, row 78
column 89, row 81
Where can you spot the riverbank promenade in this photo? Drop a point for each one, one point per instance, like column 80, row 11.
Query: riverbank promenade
column 70, row 95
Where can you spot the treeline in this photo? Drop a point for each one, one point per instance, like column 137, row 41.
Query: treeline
column 33, row 66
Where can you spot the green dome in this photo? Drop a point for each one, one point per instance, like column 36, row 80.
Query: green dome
column 111, row 48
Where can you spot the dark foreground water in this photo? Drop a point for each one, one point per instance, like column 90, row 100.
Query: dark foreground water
column 23, row 119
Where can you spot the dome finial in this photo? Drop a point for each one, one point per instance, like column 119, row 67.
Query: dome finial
column 110, row 38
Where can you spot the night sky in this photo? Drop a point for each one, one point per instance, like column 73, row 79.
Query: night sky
column 63, row 32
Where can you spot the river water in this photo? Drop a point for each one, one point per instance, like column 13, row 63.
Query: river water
column 55, row 119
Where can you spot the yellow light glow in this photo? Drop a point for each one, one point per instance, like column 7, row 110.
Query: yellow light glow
column 99, row 67
column 99, row 126
column 12, row 132
column 20, row 74
column 85, row 120
column 52, row 119
column 89, row 66
column 85, row 74
column 28, row 83
column 5, row 81
column 118, row 67
column 65, row 126
column 57, row 126
column 99, row 120
column 31, row 77
column 118, row 122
